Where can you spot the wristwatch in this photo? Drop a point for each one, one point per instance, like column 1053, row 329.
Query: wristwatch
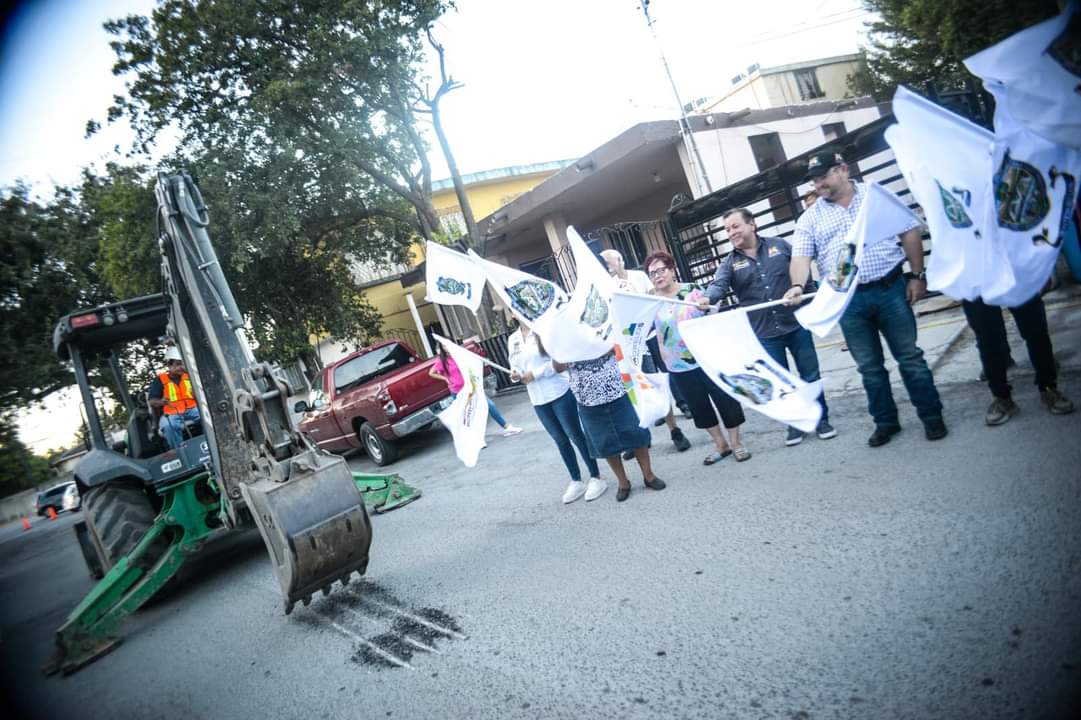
column 921, row 275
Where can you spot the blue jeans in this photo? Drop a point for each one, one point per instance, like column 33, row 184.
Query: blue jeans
column 884, row 309
column 560, row 419
column 493, row 413
column 172, row 425
column 802, row 346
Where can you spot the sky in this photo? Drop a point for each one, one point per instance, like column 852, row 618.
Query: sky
column 542, row 81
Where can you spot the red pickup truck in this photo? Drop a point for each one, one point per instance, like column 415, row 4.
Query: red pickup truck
column 372, row 398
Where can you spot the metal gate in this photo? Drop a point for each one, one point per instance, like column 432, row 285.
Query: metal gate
column 775, row 196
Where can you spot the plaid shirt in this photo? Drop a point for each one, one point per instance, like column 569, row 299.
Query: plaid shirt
column 820, row 234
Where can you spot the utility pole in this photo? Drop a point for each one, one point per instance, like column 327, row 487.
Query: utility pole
column 684, row 125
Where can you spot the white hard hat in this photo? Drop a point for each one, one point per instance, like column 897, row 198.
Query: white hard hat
column 173, row 353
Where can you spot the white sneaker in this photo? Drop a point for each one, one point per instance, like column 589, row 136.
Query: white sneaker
column 596, row 488
column 511, row 430
column 575, row 489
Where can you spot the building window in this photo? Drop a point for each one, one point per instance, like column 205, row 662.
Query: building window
column 832, row 131
column 807, row 82
column 767, row 150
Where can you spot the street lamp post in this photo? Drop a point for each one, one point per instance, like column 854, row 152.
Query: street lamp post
column 701, row 177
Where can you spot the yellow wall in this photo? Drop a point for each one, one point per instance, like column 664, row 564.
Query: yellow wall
column 389, row 297
column 488, row 196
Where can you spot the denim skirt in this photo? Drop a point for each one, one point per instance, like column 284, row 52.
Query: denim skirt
column 612, row 428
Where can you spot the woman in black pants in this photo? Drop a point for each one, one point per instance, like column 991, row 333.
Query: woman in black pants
column 701, row 394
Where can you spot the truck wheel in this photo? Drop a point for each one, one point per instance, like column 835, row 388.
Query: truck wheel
column 117, row 517
column 382, row 452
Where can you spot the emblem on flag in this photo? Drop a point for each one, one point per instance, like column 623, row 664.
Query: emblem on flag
column 595, row 312
column 1071, row 182
column 470, row 408
column 531, row 298
column 844, row 268
column 1021, row 200
column 454, row 287
column 954, row 208
column 754, row 387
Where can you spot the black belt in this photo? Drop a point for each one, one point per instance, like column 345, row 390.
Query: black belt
column 885, row 280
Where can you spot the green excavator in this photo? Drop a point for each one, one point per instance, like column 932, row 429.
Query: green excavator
column 149, row 507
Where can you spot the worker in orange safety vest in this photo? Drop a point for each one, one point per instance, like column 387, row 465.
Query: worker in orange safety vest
column 171, row 392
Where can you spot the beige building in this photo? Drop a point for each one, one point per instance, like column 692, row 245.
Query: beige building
column 813, row 80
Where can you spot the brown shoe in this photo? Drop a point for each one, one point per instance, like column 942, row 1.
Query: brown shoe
column 1001, row 410
column 1056, row 402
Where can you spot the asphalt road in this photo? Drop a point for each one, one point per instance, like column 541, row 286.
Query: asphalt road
column 918, row 580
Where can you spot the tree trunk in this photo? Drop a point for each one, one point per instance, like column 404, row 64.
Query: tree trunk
column 459, row 188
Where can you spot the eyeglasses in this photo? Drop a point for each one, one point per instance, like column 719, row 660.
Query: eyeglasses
column 655, row 272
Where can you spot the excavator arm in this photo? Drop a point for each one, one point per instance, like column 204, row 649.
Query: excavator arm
column 305, row 502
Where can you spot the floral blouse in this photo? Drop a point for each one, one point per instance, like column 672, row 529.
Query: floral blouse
column 596, row 382
column 673, row 350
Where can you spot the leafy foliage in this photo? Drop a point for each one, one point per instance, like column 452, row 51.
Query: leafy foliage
column 20, row 469
column 47, row 268
column 917, row 41
column 333, row 82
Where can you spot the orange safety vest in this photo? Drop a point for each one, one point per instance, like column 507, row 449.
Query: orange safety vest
column 179, row 397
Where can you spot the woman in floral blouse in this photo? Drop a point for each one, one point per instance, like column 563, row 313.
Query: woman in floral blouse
column 683, row 369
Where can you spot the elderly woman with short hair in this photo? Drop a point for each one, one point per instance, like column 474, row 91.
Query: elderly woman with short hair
column 703, row 395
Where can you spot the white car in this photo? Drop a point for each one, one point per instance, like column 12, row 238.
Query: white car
column 72, row 501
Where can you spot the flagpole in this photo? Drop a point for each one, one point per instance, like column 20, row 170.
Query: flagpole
column 773, row 303
column 662, row 298
column 497, row 366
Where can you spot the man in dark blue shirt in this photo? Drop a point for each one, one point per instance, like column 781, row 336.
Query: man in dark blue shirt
column 757, row 271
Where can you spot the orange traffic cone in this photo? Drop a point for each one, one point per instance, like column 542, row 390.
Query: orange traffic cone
column 52, row 513
column 26, row 523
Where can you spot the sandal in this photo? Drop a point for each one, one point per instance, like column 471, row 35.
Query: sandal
column 716, row 457
column 741, row 454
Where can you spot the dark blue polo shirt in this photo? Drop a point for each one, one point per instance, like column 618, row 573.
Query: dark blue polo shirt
column 758, row 280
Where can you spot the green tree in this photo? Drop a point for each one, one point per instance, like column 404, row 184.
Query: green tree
column 331, row 83
column 20, row 469
column 917, row 41
column 47, row 267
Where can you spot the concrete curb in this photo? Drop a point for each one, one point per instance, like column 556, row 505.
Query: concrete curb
column 950, row 346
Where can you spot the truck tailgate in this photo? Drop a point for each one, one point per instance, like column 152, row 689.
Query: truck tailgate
column 412, row 388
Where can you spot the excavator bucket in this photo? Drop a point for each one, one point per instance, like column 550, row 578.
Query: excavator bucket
column 384, row 492
column 314, row 525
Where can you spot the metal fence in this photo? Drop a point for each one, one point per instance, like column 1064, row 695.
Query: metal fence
column 495, row 348
column 775, row 196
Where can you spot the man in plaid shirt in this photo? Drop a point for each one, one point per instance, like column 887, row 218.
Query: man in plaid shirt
column 881, row 303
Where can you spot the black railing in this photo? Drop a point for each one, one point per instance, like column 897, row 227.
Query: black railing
column 495, row 348
column 775, row 196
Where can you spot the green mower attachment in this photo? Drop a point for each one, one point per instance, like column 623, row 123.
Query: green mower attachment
column 384, row 492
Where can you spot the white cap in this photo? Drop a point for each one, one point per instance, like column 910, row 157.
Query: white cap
column 172, row 353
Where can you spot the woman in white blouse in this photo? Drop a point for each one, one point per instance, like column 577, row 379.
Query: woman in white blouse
column 549, row 391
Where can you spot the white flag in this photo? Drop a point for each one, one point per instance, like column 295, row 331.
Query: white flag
column 728, row 351
column 467, row 416
column 452, row 278
column 1034, row 75
column 881, row 217
column 633, row 315
column 946, row 162
column 582, row 328
column 1034, row 189
column 648, row 392
column 532, row 299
